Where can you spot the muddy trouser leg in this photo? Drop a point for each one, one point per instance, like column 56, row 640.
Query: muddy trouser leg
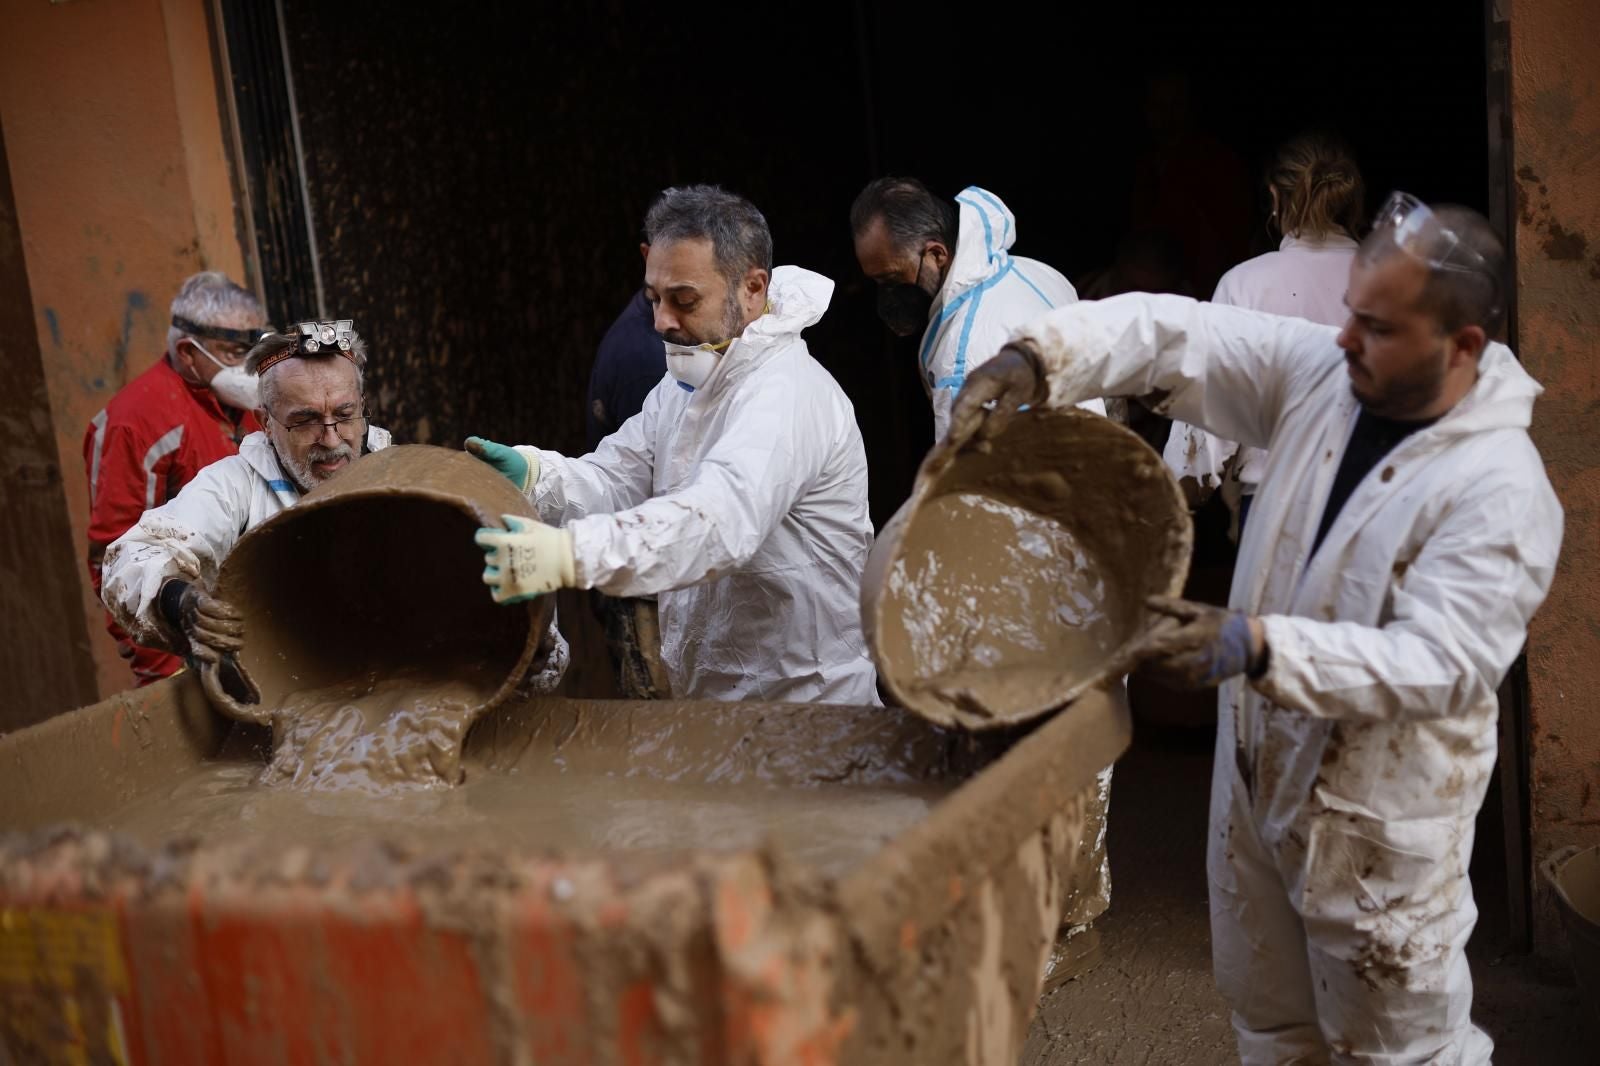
column 633, row 636
column 1085, row 871
column 1388, row 909
column 1258, row 945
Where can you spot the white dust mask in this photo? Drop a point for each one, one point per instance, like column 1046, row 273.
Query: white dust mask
column 692, row 366
column 232, row 384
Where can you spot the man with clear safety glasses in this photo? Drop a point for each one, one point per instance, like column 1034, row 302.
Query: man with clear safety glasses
column 1403, row 536
column 188, row 410
column 312, row 407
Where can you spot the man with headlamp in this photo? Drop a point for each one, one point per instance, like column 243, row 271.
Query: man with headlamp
column 1403, row 536
column 159, row 574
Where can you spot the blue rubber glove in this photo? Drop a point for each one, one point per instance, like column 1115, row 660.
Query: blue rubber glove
column 526, row 559
column 1209, row 646
column 519, row 466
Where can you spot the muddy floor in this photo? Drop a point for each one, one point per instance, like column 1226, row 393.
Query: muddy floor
column 1151, row 999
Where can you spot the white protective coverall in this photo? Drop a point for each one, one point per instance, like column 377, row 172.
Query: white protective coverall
column 1346, row 780
column 743, row 504
column 987, row 294
column 1304, row 278
column 189, row 536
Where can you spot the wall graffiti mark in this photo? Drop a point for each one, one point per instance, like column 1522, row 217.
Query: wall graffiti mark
column 136, row 302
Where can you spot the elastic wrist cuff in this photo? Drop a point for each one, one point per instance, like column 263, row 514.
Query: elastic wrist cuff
column 170, row 603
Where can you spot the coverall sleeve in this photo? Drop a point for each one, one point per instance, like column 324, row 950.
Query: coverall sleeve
column 186, row 538
column 615, row 476
column 773, row 448
column 1459, row 617
column 1225, row 369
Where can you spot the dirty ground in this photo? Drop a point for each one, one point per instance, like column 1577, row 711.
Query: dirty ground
column 1152, row 1001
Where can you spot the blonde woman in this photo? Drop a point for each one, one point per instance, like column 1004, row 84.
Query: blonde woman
column 1317, row 196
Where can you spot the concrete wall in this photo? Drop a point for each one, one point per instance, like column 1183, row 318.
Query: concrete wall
column 1555, row 112
column 122, row 187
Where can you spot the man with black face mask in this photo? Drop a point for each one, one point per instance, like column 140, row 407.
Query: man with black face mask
column 944, row 270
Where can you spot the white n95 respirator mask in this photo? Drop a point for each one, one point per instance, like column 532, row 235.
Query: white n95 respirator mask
column 692, row 366
column 232, row 384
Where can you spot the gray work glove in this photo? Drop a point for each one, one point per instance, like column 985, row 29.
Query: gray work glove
column 1201, row 646
column 993, row 392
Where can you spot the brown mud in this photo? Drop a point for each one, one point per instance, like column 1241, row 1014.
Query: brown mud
column 369, row 634
column 828, row 830
column 826, row 787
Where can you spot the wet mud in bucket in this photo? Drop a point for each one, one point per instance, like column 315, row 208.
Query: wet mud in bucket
column 1014, row 579
column 370, row 640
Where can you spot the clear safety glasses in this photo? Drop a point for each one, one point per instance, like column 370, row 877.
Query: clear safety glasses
column 1419, row 233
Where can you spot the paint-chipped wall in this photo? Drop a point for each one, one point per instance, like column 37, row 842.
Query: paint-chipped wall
column 122, row 189
column 1555, row 112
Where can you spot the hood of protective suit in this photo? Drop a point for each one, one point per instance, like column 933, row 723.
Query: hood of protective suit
column 986, row 231
column 1502, row 398
column 797, row 299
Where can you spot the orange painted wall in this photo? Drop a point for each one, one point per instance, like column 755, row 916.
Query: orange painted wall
column 120, row 173
column 1555, row 111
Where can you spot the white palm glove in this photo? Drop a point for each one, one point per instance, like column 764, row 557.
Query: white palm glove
column 526, row 559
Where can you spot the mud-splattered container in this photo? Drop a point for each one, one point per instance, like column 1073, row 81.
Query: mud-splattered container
column 375, row 574
column 927, row 946
column 1015, row 576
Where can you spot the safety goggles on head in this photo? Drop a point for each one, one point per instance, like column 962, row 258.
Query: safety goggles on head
column 1419, row 233
column 238, row 341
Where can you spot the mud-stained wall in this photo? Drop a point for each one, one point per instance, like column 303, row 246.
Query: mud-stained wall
column 478, row 187
column 122, row 189
column 1555, row 113
column 48, row 667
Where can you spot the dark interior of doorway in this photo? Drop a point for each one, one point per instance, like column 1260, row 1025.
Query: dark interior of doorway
column 474, row 181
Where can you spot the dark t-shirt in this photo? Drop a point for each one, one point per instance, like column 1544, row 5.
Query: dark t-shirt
column 629, row 363
column 1372, row 439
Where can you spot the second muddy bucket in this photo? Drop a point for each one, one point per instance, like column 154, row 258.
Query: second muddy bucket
column 374, row 576
column 1015, row 578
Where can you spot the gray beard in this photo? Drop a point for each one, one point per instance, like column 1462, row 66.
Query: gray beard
column 302, row 475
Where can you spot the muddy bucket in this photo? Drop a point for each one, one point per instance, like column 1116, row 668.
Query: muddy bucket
column 1574, row 873
column 374, row 576
column 1014, row 579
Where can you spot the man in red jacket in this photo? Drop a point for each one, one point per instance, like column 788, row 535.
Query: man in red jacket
column 188, row 410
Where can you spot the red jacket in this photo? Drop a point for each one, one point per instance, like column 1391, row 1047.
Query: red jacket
column 152, row 438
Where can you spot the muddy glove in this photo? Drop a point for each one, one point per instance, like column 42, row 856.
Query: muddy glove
column 1206, row 648
column 994, row 392
column 211, row 626
column 526, row 559
column 519, row 465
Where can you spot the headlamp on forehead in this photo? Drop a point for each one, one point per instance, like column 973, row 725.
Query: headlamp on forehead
column 313, row 335
column 338, row 336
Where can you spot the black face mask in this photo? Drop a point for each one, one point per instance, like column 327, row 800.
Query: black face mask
column 904, row 307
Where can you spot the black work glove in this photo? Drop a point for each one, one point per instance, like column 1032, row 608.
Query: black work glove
column 211, row 627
